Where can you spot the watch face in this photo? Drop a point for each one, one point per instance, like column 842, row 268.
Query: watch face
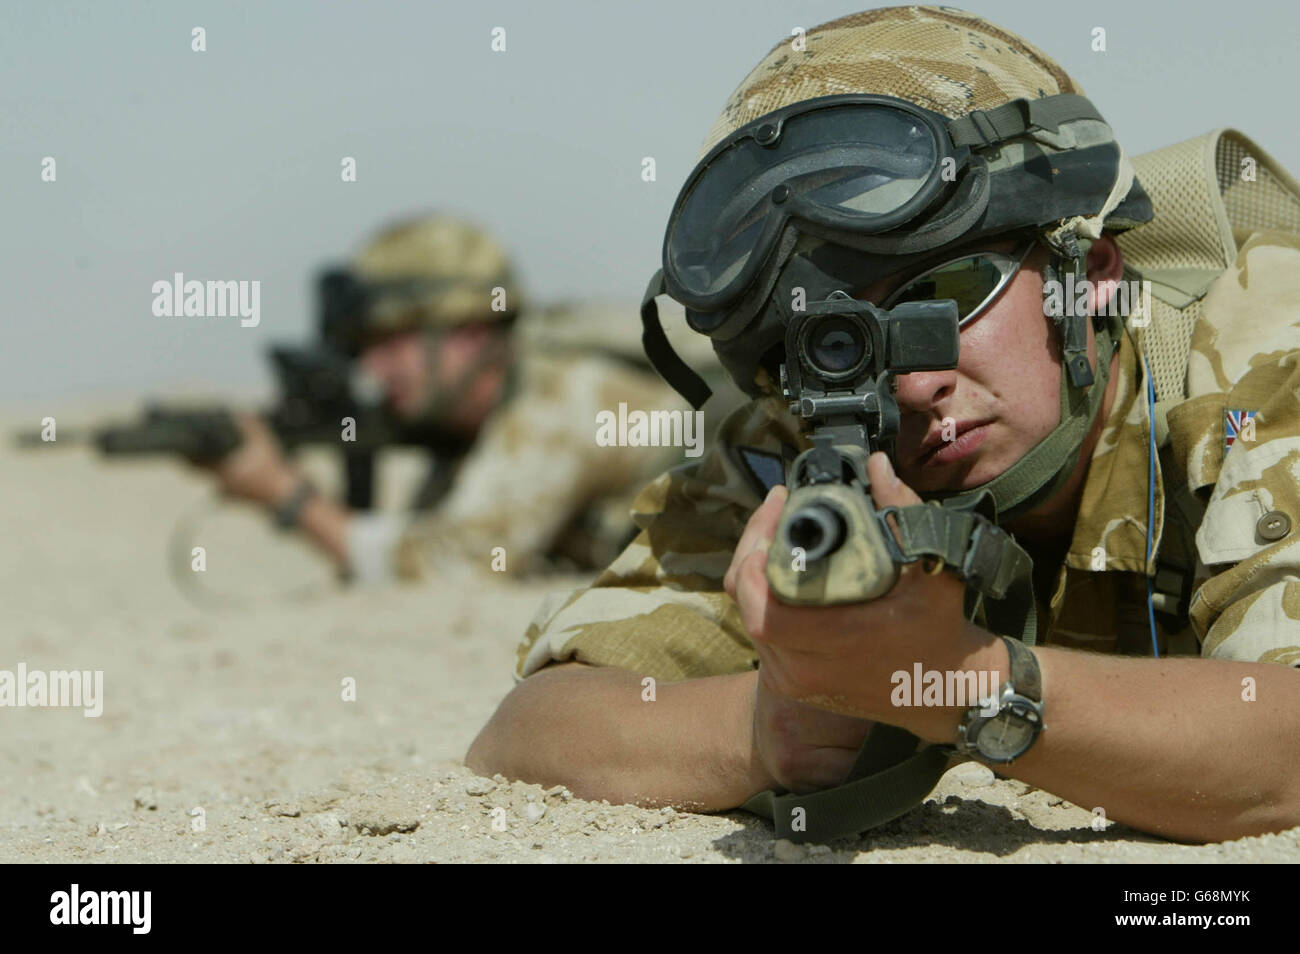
column 1005, row 736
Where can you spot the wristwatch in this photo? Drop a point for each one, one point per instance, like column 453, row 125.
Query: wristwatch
column 1008, row 733
column 289, row 510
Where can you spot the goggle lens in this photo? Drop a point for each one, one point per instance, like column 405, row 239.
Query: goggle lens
column 870, row 163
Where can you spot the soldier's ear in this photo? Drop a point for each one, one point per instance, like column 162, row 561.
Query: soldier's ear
column 1105, row 260
column 1105, row 265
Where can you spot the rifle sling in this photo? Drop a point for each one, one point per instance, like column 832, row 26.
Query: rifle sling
column 864, row 801
column 894, row 770
column 986, row 557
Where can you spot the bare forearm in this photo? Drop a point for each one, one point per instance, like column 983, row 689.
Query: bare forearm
column 322, row 521
column 325, row 523
column 1169, row 746
column 591, row 729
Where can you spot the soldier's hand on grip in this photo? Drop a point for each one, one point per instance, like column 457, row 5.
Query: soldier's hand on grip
column 841, row 658
column 257, row 470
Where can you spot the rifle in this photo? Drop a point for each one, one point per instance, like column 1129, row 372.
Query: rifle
column 832, row 545
column 317, row 396
column 317, row 406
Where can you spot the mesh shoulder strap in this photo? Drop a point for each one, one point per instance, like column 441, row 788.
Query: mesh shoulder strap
column 1208, row 194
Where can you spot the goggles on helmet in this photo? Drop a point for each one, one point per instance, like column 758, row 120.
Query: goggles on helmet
column 842, row 166
column 844, row 190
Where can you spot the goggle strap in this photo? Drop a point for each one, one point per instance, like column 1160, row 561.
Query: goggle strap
column 988, row 127
column 660, row 351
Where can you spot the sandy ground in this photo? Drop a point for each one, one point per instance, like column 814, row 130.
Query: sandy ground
column 231, row 716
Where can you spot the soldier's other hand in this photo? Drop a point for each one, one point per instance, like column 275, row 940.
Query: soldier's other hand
column 802, row 748
column 257, row 469
column 842, row 658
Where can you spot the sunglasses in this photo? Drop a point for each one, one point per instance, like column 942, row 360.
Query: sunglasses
column 972, row 280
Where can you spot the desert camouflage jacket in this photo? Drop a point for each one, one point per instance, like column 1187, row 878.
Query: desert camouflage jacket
column 536, row 483
column 1228, row 474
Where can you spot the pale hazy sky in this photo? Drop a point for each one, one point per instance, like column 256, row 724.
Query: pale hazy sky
column 225, row 164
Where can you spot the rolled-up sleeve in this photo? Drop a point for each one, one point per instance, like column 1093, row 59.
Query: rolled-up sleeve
column 660, row 608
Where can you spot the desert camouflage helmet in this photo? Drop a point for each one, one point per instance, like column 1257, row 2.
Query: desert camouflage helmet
column 434, row 272
column 825, row 171
column 941, row 58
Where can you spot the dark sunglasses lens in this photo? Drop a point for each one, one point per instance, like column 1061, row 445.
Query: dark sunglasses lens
column 969, row 282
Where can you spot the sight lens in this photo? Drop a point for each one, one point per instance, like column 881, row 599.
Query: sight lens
column 836, row 345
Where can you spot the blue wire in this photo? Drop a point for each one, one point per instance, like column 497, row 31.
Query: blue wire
column 1151, row 501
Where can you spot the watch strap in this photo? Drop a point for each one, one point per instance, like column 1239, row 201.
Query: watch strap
column 1025, row 675
column 289, row 511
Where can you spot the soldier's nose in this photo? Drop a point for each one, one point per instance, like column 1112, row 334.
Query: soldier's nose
column 922, row 390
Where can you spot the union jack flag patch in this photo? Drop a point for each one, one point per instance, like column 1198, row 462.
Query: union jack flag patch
column 1234, row 422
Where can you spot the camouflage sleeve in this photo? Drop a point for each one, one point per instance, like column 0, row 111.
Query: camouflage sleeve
column 1244, row 375
column 660, row 608
column 534, row 466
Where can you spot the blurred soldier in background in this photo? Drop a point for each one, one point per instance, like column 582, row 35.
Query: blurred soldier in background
column 431, row 309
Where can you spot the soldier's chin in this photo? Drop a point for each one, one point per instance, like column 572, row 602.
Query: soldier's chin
column 981, row 470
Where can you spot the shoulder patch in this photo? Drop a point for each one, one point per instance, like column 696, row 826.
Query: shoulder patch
column 1237, row 423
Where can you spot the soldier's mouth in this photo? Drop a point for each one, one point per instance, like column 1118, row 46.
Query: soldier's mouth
column 966, row 443
column 950, row 442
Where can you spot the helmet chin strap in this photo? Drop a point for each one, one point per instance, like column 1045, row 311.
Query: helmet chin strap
column 1045, row 469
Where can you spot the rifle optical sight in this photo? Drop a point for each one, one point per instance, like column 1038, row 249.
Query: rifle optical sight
column 835, row 346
